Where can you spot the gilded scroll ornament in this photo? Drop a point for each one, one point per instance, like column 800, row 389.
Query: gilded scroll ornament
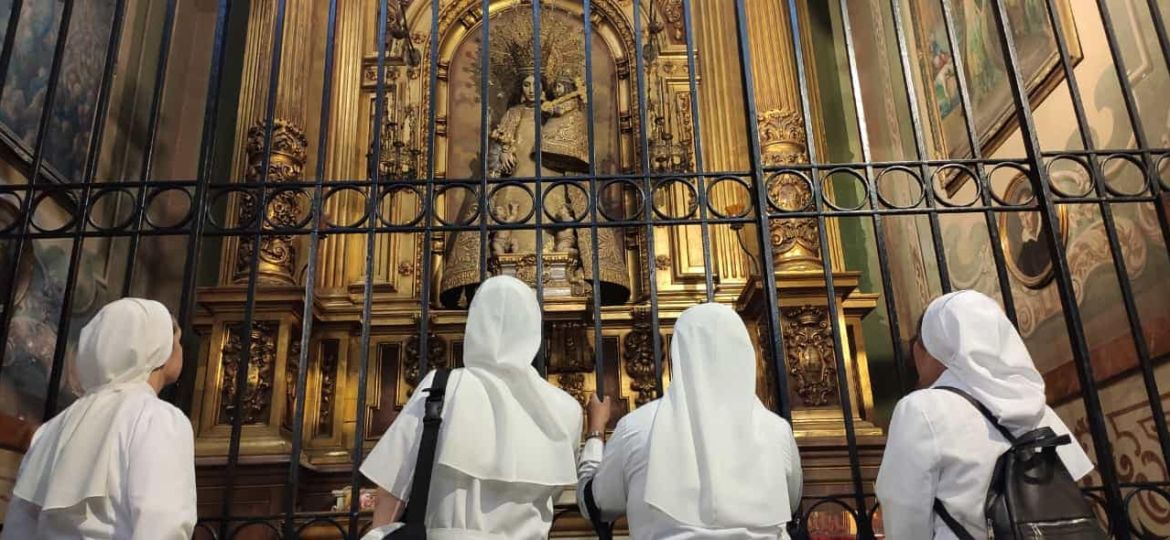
column 782, row 139
column 795, row 241
column 436, row 355
column 808, row 344
column 291, row 371
column 256, row 402
column 284, row 208
column 638, row 353
column 329, row 359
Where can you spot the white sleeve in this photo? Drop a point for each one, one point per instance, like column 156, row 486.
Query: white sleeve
column 1073, row 455
column 20, row 520
column 160, row 483
column 908, row 478
column 795, row 476
column 605, row 465
column 390, row 464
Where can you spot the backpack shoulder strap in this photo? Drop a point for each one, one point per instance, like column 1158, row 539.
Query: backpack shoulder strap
column 420, row 489
column 982, row 410
column 604, row 530
column 952, row 523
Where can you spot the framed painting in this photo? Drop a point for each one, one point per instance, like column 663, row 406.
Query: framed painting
column 993, row 109
column 25, row 87
column 1025, row 248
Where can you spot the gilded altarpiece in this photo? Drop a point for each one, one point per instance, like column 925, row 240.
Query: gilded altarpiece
column 566, row 247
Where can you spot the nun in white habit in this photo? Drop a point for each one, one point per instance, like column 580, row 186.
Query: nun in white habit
column 118, row 463
column 508, row 440
column 708, row 460
column 939, row 446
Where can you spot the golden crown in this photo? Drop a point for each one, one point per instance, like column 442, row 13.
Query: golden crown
column 513, row 49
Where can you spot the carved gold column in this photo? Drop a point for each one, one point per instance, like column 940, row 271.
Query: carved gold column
column 279, row 264
column 277, row 260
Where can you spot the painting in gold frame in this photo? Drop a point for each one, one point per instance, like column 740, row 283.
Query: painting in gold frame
column 986, row 72
column 1021, row 234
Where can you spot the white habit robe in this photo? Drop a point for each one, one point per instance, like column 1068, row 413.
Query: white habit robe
column 507, row 445
column 708, row 460
column 119, row 463
column 939, row 445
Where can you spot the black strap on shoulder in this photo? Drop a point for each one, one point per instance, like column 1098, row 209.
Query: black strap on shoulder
column 941, row 509
column 420, row 489
column 952, row 523
column 604, row 530
column 982, row 410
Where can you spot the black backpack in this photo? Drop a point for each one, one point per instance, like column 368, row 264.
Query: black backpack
column 1032, row 495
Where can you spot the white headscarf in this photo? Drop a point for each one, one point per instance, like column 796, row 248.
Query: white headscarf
column 718, row 457
column 70, row 459
column 986, row 357
column 507, row 422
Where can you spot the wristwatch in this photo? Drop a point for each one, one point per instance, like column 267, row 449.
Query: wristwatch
column 595, row 435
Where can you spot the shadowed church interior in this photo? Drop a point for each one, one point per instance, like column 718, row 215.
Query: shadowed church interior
column 315, row 188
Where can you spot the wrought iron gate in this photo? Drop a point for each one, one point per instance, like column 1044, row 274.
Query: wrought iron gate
column 818, row 194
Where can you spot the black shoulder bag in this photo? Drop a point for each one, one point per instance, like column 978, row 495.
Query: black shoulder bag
column 416, row 507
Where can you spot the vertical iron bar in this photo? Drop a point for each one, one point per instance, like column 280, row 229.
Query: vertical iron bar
column 428, row 200
column 368, row 281
column 27, row 207
column 864, row 526
column 704, row 186
column 771, row 293
column 595, row 200
column 485, row 212
column 250, row 299
column 538, row 198
column 647, row 199
column 9, row 43
column 1114, row 503
column 89, row 171
column 160, row 77
column 299, row 397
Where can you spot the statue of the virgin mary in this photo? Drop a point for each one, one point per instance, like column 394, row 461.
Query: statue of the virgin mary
column 512, row 153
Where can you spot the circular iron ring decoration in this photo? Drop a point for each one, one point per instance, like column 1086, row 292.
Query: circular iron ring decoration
column 298, row 199
column 1017, row 172
column 188, row 214
column 391, row 193
column 514, row 219
column 339, row 192
column 109, row 196
column 855, row 176
column 245, row 196
column 785, row 192
column 950, row 179
column 732, row 211
column 639, row 200
column 1112, row 188
column 472, row 198
column 661, row 188
column 565, row 187
column 53, row 194
column 1051, row 168
column 918, row 184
